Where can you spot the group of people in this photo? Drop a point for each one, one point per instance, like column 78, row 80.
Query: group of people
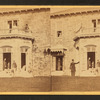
column 91, row 65
column 7, row 66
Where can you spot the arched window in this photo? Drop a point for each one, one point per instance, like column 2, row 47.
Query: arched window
column 91, row 48
column 91, row 56
column 6, row 48
column 24, row 49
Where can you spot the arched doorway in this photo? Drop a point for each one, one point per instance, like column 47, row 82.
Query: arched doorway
column 6, row 57
column 91, row 53
column 24, row 57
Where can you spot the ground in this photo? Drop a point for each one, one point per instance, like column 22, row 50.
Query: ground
column 16, row 84
column 43, row 84
column 65, row 83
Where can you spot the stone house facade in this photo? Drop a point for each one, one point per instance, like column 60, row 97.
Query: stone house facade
column 79, row 38
column 42, row 43
column 24, row 36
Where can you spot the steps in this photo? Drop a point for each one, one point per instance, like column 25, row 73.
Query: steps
column 16, row 74
column 89, row 73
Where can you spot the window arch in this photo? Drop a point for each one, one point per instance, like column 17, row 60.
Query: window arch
column 6, row 48
column 24, row 49
column 91, row 48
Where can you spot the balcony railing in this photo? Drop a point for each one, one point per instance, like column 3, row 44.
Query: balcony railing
column 16, row 33
column 87, row 32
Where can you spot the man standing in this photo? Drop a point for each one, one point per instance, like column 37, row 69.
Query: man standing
column 4, row 64
column 14, row 66
column 98, row 66
column 89, row 63
column 26, row 28
column 72, row 67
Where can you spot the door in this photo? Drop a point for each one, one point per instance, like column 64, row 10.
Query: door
column 6, row 61
column 23, row 59
column 59, row 63
column 91, row 59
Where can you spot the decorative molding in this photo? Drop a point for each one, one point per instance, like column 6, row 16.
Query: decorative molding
column 73, row 14
column 16, row 36
column 26, row 11
column 86, row 36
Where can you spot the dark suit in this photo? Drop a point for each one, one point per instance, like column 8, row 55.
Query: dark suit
column 73, row 69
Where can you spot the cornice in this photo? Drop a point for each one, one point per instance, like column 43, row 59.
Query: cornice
column 73, row 14
column 25, row 11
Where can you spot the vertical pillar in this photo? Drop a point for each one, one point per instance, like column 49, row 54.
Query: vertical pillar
column 1, row 59
column 11, row 57
column 80, row 57
column 16, row 56
column 65, row 64
column 77, row 65
column 53, row 64
column 96, row 59
column 28, row 58
column 85, row 60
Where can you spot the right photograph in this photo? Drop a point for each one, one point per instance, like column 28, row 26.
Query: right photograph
column 75, row 48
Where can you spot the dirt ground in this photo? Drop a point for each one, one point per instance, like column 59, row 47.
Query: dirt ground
column 47, row 84
column 65, row 83
column 16, row 84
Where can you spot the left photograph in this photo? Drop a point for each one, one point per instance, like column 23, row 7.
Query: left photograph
column 24, row 50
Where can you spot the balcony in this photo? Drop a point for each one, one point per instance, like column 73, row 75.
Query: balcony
column 16, row 33
column 87, row 33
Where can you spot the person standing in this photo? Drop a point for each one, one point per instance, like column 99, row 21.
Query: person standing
column 98, row 66
column 4, row 64
column 72, row 67
column 89, row 63
column 93, row 67
column 14, row 66
column 26, row 28
column 8, row 67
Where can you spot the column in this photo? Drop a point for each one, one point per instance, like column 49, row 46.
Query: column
column 65, row 64
column 53, row 64
column 80, row 57
column 16, row 56
column 28, row 58
column 96, row 59
column 77, row 65
column 1, row 59
column 85, row 60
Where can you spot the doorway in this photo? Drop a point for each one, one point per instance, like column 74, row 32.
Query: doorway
column 59, row 63
column 6, row 61
column 91, row 59
column 23, row 59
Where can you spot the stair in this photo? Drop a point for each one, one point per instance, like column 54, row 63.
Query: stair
column 16, row 74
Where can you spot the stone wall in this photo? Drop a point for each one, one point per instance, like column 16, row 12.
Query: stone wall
column 70, row 25
column 39, row 26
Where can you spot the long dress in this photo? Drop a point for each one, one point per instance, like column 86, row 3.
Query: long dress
column 89, row 64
